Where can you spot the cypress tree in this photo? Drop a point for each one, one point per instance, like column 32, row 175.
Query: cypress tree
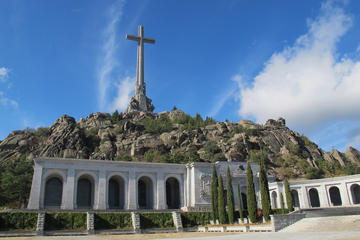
column 288, row 196
column 214, row 194
column 241, row 214
column 264, row 191
column 230, row 197
column 282, row 203
column 251, row 197
column 221, row 204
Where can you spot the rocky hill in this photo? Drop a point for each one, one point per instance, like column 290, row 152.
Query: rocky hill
column 177, row 137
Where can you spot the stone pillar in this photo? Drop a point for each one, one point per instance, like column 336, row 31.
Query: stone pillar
column 323, row 196
column 135, row 218
column 35, row 194
column 303, row 198
column 90, row 223
column 160, row 191
column 177, row 221
column 40, row 224
column 344, row 195
column 102, row 191
column 132, row 190
column 69, row 191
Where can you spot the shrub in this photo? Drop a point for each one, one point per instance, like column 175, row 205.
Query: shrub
column 192, row 219
column 157, row 126
column 289, row 201
column 251, row 197
column 282, row 205
column 240, row 210
column 65, row 221
column 156, row 220
column 113, row 221
column 214, row 194
column 264, row 191
column 18, row 221
column 230, row 196
column 221, row 204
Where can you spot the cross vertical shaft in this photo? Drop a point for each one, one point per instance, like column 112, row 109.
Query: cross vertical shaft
column 140, row 89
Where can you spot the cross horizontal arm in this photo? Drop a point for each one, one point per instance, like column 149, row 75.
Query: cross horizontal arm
column 132, row 37
column 149, row 40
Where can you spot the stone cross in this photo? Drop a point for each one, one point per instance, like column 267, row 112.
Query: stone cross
column 140, row 92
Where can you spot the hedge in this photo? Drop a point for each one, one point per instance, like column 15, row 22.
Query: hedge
column 193, row 219
column 279, row 211
column 65, row 221
column 113, row 221
column 156, row 220
column 18, row 220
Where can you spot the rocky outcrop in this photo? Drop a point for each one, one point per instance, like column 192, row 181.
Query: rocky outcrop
column 102, row 136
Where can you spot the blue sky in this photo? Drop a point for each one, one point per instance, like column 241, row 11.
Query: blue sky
column 235, row 59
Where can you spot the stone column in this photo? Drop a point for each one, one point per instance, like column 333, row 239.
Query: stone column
column 344, row 194
column 69, row 188
column 160, row 191
column 40, row 223
column 90, row 223
column 187, row 203
column 102, row 191
column 132, row 190
column 324, row 196
column 303, row 198
column 35, row 194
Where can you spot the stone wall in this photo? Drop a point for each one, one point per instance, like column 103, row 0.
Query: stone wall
column 281, row 221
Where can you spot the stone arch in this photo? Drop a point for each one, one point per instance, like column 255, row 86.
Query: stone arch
column 116, row 192
column 244, row 200
column 85, row 191
column 53, row 192
column 295, row 198
column 355, row 193
column 172, row 193
column 145, row 193
column 335, row 196
column 274, row 199
column 314, row 197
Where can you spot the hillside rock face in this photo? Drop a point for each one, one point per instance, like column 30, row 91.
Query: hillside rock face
column 102, row 136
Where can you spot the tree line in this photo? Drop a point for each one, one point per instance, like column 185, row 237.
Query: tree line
column 225, row 212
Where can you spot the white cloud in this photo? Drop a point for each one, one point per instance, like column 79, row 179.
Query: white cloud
column 306, row 83
column 5, row 101
column 124, row 91
column 108, row 64
column 4, row 73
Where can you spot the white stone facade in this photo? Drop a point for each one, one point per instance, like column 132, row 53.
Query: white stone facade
column 100, row 185
column 327, row 192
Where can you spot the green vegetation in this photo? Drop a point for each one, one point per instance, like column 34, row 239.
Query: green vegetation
column 154, row 155
column 157, row 126
column 221, row 203
column 190, row 123
column 230, row 197
column 289, row 201
column 251, row 197
column 18, row 221
column 65, row 221
column 212, row 152
column 126, row 158
column 240, row 210
column 282, row 205
column 264, row 191
column 156, row 220
column 92, row 140
column 15, row 183
column 214, row 194
column 113, row 221
column 193, row 219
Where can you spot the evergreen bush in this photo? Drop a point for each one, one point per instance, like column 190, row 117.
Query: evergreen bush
column 230, row 196
column 251, row 197
column 113, row 221
column 264, row 191
column 221, row 204
column 214, row 194
column 282, row 205
column 193, row 219
column 288, row 196
column 240, row 210
column 65, row 221
column 156, row 220
column 18, row 221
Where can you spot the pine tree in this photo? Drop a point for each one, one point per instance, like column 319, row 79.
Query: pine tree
column 241, row 214
column 214, row 194
column 221, row 204
column 288, row 196
column 251, row 197
column 264, row 191
column 230, row 197
column 282, row 203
